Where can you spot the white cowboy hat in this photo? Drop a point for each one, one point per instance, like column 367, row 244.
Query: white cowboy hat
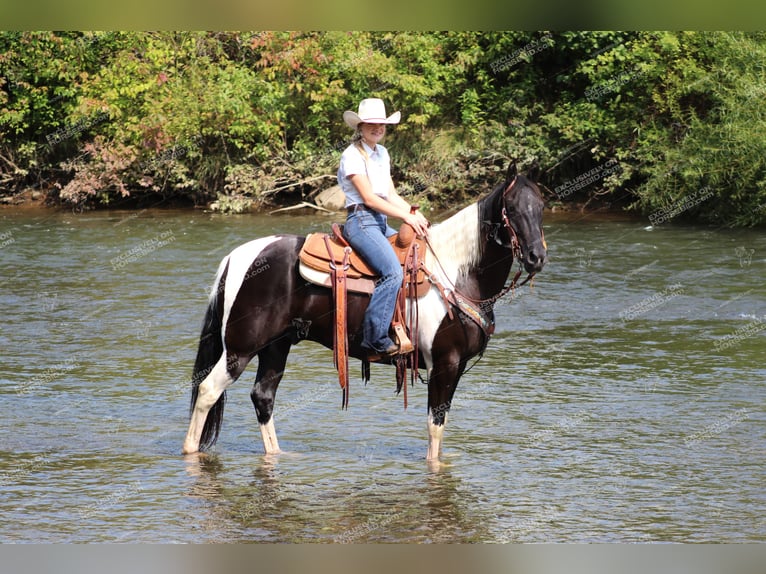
column 371, row 111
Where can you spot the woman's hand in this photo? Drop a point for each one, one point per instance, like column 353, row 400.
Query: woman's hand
column 393, row 206
column 418, row 222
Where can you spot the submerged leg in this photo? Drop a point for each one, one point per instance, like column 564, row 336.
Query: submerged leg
column 441, row 388
column 269, row 437
column 209, row 391
column 435, row 434
column 271, row 367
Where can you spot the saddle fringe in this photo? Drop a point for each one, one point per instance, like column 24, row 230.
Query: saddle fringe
column 340, row 334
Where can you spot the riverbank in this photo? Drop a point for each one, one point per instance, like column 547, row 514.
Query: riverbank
column 32, row 199
column 29, row 204
column 28, row 198
column 35, row 199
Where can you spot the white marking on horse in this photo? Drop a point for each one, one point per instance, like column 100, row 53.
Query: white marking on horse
column 456, row 246
column 435, row 435
column 210, row 390
column 240, row 261
column 431, row 312
column 269, row 436
column 456, row 243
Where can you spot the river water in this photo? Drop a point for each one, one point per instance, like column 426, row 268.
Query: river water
column 622, row 399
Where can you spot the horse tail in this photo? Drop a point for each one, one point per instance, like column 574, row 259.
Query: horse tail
column 208, row 354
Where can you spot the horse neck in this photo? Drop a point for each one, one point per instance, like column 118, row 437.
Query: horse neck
column 456, row 243
column 476, row 266
column 490, row 275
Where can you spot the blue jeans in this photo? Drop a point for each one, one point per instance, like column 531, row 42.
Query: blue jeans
column 366, row 232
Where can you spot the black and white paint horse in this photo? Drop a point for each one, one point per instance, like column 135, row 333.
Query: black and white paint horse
column 260, row 306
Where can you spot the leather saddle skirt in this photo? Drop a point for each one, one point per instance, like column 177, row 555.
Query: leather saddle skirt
column 315, row 260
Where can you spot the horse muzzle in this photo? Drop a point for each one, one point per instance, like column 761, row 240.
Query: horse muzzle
column 535, row 258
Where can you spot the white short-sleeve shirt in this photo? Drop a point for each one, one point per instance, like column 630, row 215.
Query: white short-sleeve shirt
column 378, row 171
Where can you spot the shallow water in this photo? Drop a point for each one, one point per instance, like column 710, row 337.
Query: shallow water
column 622, row 399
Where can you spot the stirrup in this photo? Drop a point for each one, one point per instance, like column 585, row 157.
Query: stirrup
column 401, row 338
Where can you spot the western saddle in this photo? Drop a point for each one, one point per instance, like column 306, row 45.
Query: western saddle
column 328, row 260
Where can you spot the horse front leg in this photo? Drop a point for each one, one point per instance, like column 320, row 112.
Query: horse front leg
column 442, row 383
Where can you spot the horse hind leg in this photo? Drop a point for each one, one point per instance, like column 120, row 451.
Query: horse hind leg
column 204, row 424
column 271, row 366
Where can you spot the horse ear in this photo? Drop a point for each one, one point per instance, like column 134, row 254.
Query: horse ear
column 512, row 171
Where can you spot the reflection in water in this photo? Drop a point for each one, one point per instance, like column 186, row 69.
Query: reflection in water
column 281, row 502
column 453, row 513
column 204, row 468
column 210, row 520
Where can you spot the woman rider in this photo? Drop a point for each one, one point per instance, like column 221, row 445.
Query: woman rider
column 365, row 177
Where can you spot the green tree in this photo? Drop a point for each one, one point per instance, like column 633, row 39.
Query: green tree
column 653, row 121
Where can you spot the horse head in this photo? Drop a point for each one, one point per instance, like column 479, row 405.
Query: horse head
column 523, row 217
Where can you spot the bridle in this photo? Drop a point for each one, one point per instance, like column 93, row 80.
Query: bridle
column 515, row 247
column 464, row 302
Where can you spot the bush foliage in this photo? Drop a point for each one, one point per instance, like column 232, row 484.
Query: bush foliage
column 662, row 122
